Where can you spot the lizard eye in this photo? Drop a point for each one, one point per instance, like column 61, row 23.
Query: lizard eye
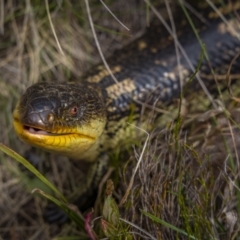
column 74, row 111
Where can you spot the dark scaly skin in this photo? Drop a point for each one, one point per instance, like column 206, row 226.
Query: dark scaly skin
column 97, row 109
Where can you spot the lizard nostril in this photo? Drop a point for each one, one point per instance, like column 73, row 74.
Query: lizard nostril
column 50, row 118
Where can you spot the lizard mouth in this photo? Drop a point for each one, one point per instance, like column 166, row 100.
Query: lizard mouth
column 67, row 142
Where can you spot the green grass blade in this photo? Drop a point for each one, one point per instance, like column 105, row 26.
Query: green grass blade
column 167, row 224
column 73, row 215
column 31, row 168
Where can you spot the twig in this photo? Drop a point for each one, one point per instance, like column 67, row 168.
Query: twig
column 113, row 15
column 136, row 168
column 53, row 29
column 97, row 43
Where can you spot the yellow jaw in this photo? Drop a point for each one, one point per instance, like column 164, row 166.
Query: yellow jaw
column 74, row 143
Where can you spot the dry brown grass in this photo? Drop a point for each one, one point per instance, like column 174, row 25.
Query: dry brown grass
column 188, row 176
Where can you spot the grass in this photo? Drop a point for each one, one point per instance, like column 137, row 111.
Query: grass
column 186, row 186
